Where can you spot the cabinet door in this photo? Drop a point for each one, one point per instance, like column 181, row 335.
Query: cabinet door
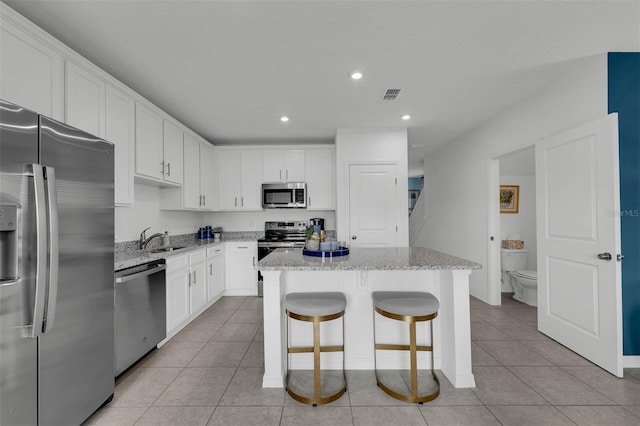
column 294, row 165
column 177, row 298
column 250, row 180
column 31, row 72
column 149, row 156
column 173, row 153
column 319, row 175
column 228, row 175
column 273, row 165
column 84, row 102
column 191, row 185
column 120, row 130
column 198, row 289
column 241, row 279
column 215, row 277
column 207, row 177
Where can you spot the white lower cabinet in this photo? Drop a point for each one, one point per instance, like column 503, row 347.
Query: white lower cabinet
column 187, row 289
column 215, row 272
column 177, row 279
column 241, row 277
column 197, row 281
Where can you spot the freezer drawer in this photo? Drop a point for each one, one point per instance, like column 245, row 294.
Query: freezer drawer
column 140, row 319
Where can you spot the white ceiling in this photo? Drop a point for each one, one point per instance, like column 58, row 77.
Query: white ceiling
column 229, row 69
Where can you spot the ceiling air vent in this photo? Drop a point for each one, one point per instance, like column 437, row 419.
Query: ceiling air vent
column 391, row 94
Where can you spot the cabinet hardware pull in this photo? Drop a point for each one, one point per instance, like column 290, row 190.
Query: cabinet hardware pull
column 204, row 200
column 162, row 168
column 195, row 276
column 280, row 174
column 168, row 169
column 287, row 174
column 241, row 201
column 189, row 279
column 236, row 202
column 309, row 200
column 210, row 269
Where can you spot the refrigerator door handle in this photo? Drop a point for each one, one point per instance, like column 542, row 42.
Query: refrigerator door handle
column 54, row 252
column 41, row 249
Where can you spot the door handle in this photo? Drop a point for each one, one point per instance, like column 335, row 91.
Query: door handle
column 354, row 237
column 605, row 256
column 41, row 249
column 54, row 253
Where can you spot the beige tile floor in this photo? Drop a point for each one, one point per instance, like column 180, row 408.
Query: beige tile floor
column 211, row 372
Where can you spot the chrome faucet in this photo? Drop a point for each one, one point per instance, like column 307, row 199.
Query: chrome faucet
column 144, row 241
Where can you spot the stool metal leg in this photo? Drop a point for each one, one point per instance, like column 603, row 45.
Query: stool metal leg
column 413, row 348
column 317, row 349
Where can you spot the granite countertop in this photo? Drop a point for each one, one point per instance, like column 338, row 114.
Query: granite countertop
column 127, row 255
column 395, row 258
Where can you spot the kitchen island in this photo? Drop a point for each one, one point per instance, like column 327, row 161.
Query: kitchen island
column 357, row 275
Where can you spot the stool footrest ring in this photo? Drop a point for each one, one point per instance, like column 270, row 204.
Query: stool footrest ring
column 383, row 346
column 415, row 399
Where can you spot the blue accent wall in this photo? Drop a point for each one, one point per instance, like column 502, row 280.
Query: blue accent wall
column 624, row 98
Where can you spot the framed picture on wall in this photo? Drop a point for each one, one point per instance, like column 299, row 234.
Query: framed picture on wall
column 509, row 197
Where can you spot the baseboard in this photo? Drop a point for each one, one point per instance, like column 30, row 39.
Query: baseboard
column 631, row 361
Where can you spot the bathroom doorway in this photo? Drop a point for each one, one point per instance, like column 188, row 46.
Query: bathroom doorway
column 513, row 172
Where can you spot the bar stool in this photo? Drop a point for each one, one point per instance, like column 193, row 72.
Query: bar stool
column 411, row 307
column 316, row 308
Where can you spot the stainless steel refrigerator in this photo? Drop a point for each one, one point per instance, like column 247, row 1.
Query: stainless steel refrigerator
column 56, row 271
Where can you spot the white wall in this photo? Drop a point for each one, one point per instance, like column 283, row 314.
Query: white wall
column 254, row 221
column 145, row 212
column 371, row 146
column 456, row 174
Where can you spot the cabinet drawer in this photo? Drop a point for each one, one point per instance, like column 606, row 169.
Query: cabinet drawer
column 176, row 262
column 197, row 257
column 215, row 251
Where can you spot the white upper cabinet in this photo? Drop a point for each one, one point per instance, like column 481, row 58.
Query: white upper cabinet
column 192, row 199
column 173, row 152
column 31, row 72
column 120, row 130
column 198, row 189
column 84, row 101
column 159, row 148
column 149, row 156
column 208, row 177
column 239, row 179
column 283, row 165
column 320, row 178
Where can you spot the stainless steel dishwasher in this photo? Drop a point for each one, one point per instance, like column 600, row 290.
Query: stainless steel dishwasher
column 141, row 312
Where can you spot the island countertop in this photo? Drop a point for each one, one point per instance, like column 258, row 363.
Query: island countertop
column 389, row 258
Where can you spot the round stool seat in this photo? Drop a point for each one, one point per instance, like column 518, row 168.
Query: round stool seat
column 409, row 303
column 315, row 304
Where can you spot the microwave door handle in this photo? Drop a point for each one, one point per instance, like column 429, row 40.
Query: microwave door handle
column 41, row 249
column 54, row 245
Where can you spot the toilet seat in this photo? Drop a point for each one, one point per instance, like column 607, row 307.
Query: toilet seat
column 532, row 275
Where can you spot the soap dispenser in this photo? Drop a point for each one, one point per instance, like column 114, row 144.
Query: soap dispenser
column 166, row 241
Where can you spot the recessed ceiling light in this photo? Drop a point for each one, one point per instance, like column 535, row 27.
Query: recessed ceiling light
column 406, row 117
column 356, row 75
column 284, row 118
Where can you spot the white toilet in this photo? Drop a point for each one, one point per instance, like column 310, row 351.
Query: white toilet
column 523, row 282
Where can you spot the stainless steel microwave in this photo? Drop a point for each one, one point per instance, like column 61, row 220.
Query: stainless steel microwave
column 288, row 195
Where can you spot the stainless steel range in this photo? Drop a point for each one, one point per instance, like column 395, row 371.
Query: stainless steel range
column 280, row 235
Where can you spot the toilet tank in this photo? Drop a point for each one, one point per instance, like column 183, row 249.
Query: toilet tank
column 513, row 260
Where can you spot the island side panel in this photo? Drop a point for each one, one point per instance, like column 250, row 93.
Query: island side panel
column 274, row 342
column 456, row 327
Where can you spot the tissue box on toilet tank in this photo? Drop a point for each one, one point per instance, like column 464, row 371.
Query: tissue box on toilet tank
column 512, row 244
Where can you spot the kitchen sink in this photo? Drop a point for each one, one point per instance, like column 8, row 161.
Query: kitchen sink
column 165, row 249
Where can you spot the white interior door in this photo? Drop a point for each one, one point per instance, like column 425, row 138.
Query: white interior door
column 373, row 205
column 579, row 290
